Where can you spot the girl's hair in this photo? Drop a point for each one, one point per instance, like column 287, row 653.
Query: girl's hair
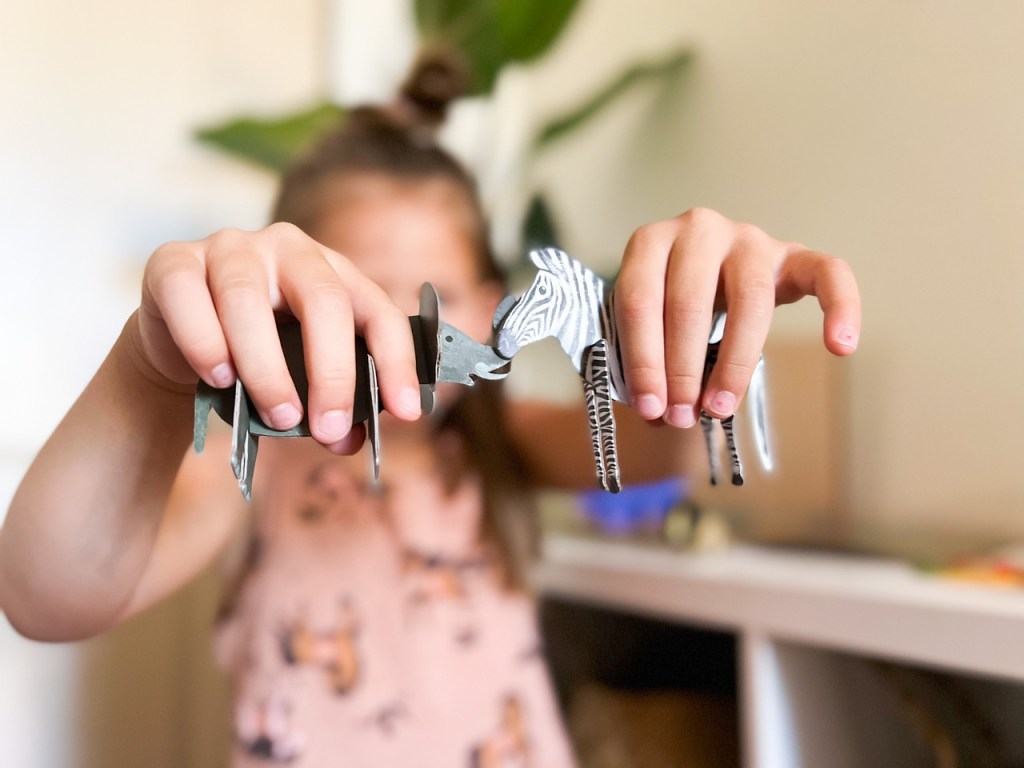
column 398, row 141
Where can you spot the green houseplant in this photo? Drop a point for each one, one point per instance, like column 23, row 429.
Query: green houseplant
column 490, row 35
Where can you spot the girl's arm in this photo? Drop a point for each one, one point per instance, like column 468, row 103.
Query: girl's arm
column 82, row 526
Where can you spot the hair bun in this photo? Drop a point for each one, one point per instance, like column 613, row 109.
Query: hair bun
column 436, row 80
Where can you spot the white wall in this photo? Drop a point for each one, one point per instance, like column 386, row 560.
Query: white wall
column 97, row 103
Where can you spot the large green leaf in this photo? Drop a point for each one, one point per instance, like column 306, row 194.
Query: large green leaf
column 539, row 229
column 492, row 33
column 272, row 143
column 573, row 119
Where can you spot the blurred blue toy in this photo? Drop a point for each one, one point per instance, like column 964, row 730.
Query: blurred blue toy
column 635, row 508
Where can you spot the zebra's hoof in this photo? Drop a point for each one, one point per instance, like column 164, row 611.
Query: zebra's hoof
column 737, row 479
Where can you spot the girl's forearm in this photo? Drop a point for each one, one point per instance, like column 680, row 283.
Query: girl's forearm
column 83, row 522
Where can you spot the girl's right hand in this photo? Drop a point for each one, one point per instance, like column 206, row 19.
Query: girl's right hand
column 208, row 309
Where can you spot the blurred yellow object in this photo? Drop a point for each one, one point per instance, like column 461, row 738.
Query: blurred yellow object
column 992, row 573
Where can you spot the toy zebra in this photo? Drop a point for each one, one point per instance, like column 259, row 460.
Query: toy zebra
column 573, row 304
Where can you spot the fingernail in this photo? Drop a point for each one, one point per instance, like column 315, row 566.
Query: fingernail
column 409, row 401
column 223, row 375
column 333, row 425
column 848, row 336
column 723, row 404
column 682, row 416
column 648, row 406
column 284, row 416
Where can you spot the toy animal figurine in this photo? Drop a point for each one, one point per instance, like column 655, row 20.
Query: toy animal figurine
column 574, row 305
column 443, row 354
column 566, row 301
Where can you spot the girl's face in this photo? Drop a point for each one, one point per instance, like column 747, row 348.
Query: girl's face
column 402, row 234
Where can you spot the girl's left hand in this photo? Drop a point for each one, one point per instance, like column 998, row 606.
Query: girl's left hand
column 677, row 273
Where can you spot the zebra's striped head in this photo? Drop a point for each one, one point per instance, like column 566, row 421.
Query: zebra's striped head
column 563, row 302
column 544, row 307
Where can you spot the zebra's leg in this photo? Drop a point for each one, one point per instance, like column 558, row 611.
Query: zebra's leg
column 606, row 418
column 734, row 454
column 596, row 372
column 590, row 396
column 707, row 425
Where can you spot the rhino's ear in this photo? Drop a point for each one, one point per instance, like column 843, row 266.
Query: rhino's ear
column 502, row 311
column 548, row 258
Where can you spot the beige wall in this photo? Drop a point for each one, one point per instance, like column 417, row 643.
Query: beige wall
column 887, row 133
column 97, row 104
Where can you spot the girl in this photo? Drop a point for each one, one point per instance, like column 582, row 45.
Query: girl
column 372, row 625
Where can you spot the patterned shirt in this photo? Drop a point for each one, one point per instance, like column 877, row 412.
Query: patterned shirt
column 372, row 627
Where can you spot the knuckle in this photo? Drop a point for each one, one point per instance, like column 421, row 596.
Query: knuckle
column 699, row 217
column 749, row 235
column 288, row 240
column 336, row 381
column 644, row 235
column 229, row 238
column 389, row 319
column 836, row 266
column 327, row 296
column 633, row 304
column 733, row 375
column 683, row 387
column 755, row 297
column 645, row 371
column 205, row 353
column 165, row 252
column 285, row 229
column 169, row 284
column 267, row 385
column 240, row 291
column 167, row 259
column 685, row 311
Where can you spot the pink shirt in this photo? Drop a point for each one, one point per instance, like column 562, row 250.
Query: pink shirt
column 373, row 629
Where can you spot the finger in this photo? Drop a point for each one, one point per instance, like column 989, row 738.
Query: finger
column 639, row 318
column 175, row 295
column 831, row 280
column 240, row 285
column 388, row 338
column 350, row 443
column 749, row 286
column 692, row 286
column 317, row 297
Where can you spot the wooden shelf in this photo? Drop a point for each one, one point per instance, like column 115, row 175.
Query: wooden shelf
column 855, row 604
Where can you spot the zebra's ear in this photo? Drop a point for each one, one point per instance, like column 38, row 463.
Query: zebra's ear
column 548, row 258
column 537, row 257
